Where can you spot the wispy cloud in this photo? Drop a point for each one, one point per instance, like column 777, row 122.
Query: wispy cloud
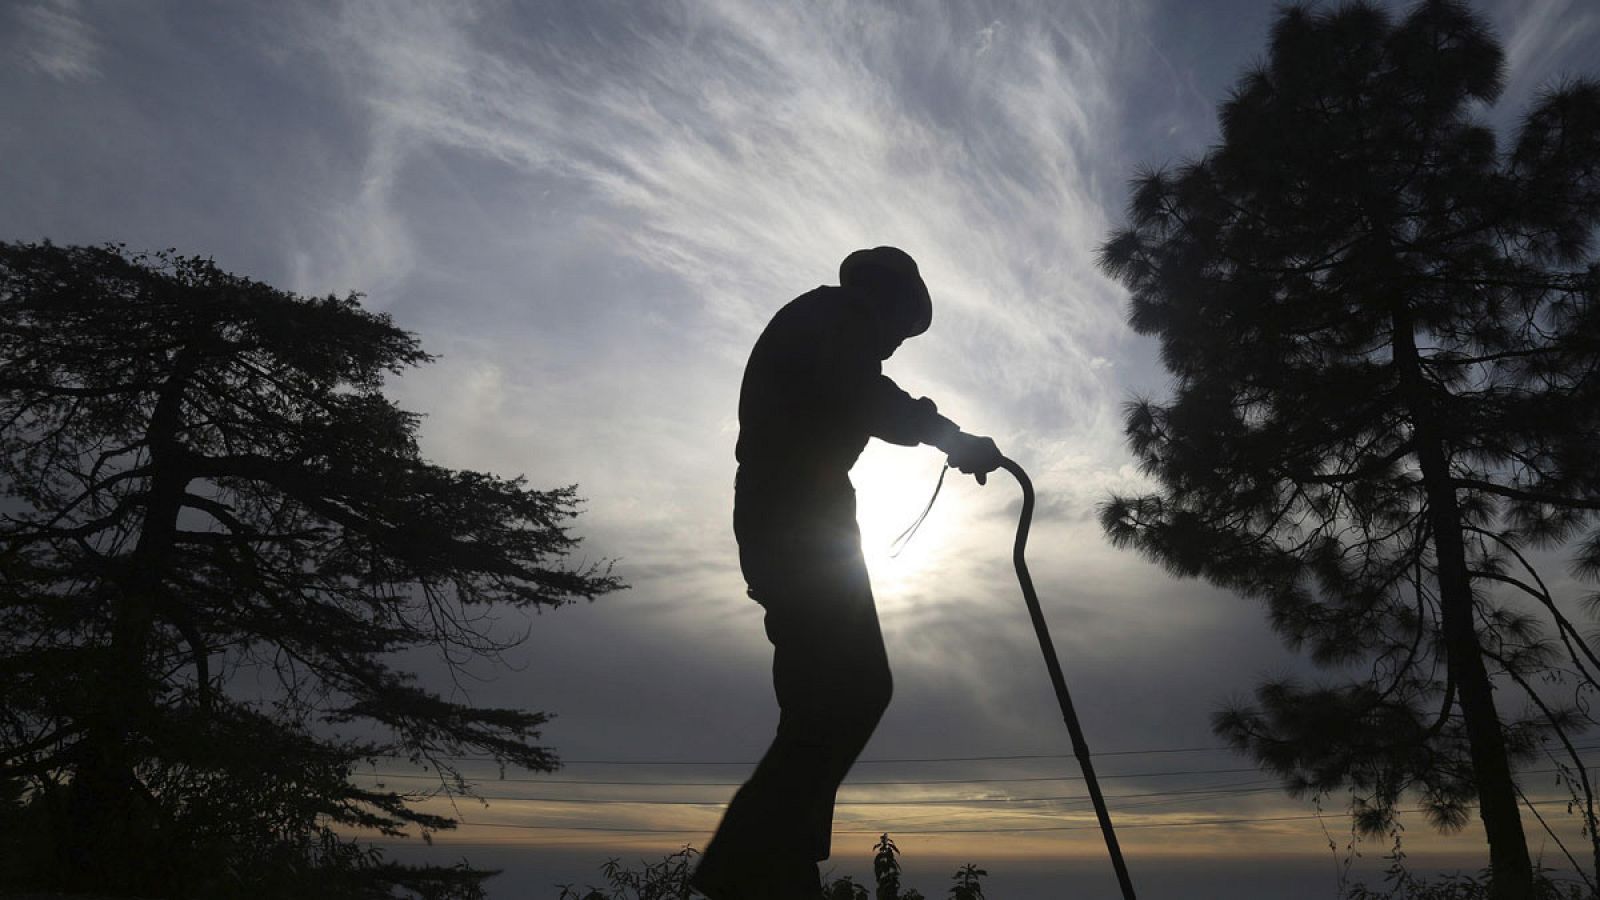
column 1541, row 42
column 590, row 209
column 739, row 149
column 1542, row 32
column 746, row 148
column 52, row 37
column 723, row 157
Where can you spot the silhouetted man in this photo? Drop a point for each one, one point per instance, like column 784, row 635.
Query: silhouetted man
column 813, row 393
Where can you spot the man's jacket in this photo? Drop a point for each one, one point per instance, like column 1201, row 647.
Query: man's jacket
column 814, row 392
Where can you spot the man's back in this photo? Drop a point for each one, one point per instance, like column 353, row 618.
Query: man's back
column 814, row 392
column 800, row 403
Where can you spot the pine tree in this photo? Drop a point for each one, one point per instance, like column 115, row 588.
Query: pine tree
column 203, row 487
column 1384, row 335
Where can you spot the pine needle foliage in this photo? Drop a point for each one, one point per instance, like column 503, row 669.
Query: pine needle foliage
column 216, row 537
column 1384, row 335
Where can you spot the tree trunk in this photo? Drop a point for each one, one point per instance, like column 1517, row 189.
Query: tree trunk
column 1512, row 872
column 114, row 844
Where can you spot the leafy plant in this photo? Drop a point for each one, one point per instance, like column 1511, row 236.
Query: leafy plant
column 843, row 888
column 886, row 872
column 668, row 878
column 967, row 883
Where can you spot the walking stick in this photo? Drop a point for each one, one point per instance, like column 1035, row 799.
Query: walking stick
column 1080, row 747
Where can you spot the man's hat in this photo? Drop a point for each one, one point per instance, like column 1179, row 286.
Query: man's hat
column 891, row 270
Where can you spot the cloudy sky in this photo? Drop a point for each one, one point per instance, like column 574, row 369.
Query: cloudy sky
column 589, row 210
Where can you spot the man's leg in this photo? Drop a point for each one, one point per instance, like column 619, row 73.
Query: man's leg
column 832, row 680
column 833, row 683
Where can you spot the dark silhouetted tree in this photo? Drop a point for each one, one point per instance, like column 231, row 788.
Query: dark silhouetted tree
column 202, row 480
column 1384, row 336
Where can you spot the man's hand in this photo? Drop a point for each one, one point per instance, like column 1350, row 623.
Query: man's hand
column 973, row 455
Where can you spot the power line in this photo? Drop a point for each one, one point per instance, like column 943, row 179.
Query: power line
column 908, row 759
column 848, row 783
column 881, row 760
column 1120, row 827
column 1016, row 757
column 1183, row 795
column 1068, row 777
column 1252, row 787
column 919, row 801
column 1202, row 823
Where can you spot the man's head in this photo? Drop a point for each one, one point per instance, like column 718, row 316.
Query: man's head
column 893, row 285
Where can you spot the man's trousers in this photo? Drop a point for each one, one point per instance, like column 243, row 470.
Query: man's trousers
column 802, row 561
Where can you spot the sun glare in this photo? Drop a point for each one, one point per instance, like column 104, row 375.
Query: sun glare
column 893, row 485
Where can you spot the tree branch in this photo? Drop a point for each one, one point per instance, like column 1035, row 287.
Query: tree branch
column 1528, row 496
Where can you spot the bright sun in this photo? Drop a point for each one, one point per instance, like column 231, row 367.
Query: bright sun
column 893, row 485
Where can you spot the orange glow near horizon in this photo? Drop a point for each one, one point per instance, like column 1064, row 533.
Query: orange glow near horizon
column 1267, row 826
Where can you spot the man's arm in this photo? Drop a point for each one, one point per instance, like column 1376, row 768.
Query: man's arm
column 855, row 380
column 896, row 417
